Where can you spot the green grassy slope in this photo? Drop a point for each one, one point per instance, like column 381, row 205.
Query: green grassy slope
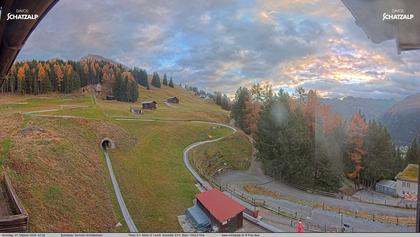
column 233, row 152
column 59, row 161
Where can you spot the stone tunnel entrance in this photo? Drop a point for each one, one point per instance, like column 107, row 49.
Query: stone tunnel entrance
column 107, row 143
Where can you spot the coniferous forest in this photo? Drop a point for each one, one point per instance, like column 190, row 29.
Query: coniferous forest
column 39, row 77
column 301, row 141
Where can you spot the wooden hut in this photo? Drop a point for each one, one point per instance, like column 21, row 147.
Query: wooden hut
column 173, row 100
column 149, row 105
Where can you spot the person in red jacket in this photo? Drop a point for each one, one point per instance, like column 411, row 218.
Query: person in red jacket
column 300, row 227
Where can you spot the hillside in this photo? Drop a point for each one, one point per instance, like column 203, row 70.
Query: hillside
column 50, row 147
column 94, row 57
column 403, row 119
column 347, row 106
column 58, row 171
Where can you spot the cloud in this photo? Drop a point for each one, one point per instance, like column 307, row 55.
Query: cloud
column 224, row 44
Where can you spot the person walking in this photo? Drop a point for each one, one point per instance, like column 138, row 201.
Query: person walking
column 300, row 227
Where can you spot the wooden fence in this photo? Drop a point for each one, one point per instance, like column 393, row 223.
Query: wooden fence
column 19, row 220
column 397, row 220
column 293, row 216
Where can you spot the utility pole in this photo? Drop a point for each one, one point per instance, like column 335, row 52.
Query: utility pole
column 418, row 200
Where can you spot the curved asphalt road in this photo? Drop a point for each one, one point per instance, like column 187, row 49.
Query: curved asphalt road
column 206, row 185
column 131, row 226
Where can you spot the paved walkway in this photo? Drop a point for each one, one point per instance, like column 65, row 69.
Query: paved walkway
column 206, row 185
column 238, row 179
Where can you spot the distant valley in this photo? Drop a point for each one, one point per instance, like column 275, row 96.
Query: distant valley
column 402, row 118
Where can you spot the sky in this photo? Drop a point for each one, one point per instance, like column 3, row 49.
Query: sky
column 220, row 45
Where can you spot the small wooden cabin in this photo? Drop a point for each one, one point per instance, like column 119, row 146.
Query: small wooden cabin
column 149, row 105
column 173, row 100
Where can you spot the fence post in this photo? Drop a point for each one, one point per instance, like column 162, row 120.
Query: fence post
column 296, row 214
column 373, row 216
column 278, row 210
column 397, row 220
column 325, row 227
column 323, row 205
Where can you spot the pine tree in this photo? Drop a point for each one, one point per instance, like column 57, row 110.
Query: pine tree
column 132, row 92
column 238, row 110
column 123, row 90
column 225, row 103
column 156, row 80
column 76, row 81
column 413, row 153
column 116, row 89
column 165, row 80
column 171, row 83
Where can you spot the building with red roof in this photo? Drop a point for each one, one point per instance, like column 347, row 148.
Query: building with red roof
column 223, row 211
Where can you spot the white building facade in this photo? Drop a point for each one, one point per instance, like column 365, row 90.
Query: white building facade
column 405, row 187
column 406, row 182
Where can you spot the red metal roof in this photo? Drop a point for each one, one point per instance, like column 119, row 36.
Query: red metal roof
column 219, row 205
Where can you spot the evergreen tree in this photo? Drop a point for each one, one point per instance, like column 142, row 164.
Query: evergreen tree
column 116, row 89
column 165, row 80
column 379, row 159
column 132, row 92
column 156, row 80
column 238, row 110
column 171, row 83
column 124, row 90
column 225, row 104
column 76, row 81
column 413, row 153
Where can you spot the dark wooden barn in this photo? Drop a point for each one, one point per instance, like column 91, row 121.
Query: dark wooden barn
column 149, row 105
column 224, row 212
column 173, row 100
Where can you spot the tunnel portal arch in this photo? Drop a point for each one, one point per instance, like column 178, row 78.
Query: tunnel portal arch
column 107, row 143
